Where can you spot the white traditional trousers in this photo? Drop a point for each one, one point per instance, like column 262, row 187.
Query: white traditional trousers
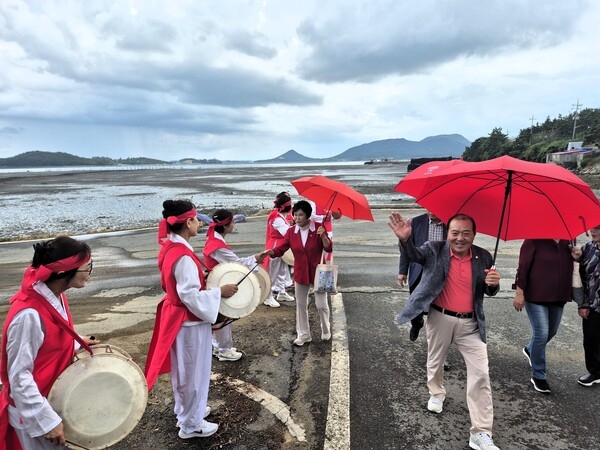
column 302, row 324
column 223, row 338
column 191, row 360
column 443, row 330
column 278, row 270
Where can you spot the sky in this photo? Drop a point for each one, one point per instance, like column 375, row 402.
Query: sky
column 250, row 80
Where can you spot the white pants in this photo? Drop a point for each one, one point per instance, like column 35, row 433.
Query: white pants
column 223, row 338
column 302, row 324
column 277, row 272
column 191, row 360
column 37, row 443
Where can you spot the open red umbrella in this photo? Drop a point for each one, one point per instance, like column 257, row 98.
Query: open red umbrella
column 508, row 198
column 334, row 196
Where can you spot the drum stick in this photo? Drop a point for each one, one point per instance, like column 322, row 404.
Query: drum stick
column 251, row 270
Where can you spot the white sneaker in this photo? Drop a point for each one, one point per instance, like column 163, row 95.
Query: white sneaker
column 300, row 342
column 270, row 301
column 229, row 355
column 205, row 430
column 482, row 441
column 285, row 297
column 207, row 412
column 435, row 404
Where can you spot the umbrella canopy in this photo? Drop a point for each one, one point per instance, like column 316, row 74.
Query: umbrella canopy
column 334, row 196
column 508, row 198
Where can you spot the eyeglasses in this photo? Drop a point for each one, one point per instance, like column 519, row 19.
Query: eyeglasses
column 89, row 270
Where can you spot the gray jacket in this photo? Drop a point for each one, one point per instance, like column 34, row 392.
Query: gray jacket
column 435, row 259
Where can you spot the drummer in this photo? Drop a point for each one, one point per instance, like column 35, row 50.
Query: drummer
column 181, row 341
column 39, row 343
column 217, row 251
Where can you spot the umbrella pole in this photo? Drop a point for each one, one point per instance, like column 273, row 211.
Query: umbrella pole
column 506, row 194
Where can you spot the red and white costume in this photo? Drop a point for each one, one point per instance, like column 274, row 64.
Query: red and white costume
column 277, row 227
column 217, row 251
column 36, row 349
column 181, row 342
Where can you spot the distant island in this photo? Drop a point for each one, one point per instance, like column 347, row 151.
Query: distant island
column 452, row 145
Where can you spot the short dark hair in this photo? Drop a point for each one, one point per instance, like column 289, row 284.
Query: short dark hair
column 461, row 216
column 304, row 206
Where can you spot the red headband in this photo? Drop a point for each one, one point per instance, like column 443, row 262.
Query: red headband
column 163, row 225
column 42, row 273
column 280, row 207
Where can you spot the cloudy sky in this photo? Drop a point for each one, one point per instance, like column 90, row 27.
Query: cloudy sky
column 247, row 80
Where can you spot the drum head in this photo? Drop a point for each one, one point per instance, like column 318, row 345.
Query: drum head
column 288, row 257
column 246, row 299
column 100, row 398
column 264, row 282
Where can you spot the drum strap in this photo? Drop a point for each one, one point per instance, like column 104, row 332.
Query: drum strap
column 66, row 326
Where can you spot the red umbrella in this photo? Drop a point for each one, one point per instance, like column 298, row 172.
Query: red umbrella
column 508, row 198
column 334, row 196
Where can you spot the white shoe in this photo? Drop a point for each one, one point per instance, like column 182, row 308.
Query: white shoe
column 205, row 430
column 435, row 404
column 325, row 336
column 482, row 441
column 229, row 355
column 270, row 301
column 300, row 342
column 285, row 297
column 207, row 412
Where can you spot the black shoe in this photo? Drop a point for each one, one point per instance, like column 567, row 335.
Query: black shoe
column 446, row 366
column 540, row 385
column 588, row 379
column 414, row 330
column 527, row 355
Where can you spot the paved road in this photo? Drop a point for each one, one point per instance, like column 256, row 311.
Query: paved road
column 380, row 402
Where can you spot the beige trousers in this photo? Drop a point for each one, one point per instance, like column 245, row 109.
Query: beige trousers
column 302, row 325
column 443, row 330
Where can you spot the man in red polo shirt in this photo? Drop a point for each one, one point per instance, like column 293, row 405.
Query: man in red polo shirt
column 456, row 275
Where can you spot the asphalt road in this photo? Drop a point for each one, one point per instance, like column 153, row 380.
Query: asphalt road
column 366, row 389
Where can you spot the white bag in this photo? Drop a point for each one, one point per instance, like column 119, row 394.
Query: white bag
column 326, row 277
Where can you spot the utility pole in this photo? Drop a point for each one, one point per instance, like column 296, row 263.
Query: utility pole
column 575, row 116
column 532, row 118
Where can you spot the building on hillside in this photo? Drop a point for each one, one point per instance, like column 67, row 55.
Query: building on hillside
column 574, row 154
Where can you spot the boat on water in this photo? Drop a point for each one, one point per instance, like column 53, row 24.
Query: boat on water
column 416, row 162
column 385, row 161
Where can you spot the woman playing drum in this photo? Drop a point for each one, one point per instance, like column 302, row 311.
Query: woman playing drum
column 217, row 251
column 39, row 343
column 181, row 342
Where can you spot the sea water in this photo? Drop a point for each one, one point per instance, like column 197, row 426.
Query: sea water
column 62, row 205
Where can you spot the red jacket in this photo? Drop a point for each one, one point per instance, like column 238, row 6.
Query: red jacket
column 55, row 355
column 306, row 258
column 170, row 313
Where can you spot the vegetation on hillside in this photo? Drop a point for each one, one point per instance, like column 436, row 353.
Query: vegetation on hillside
column 534, row 143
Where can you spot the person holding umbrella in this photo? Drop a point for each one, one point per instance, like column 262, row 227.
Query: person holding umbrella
column 307, row 239
column 543, row 287
column 589, row 310
column 456, row 275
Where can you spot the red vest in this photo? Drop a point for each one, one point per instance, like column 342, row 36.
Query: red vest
column 54, row 356
column 274, row 237
column 170, row 313
column 212, row 244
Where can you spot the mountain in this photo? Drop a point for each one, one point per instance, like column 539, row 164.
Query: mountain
column 61, row 159
column 289, row 156
column 393, row 149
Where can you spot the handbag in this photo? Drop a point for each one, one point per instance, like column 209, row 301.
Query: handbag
column 326, row 277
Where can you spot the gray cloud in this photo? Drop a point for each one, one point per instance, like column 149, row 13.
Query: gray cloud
column 398, row 39
column 252, row 44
